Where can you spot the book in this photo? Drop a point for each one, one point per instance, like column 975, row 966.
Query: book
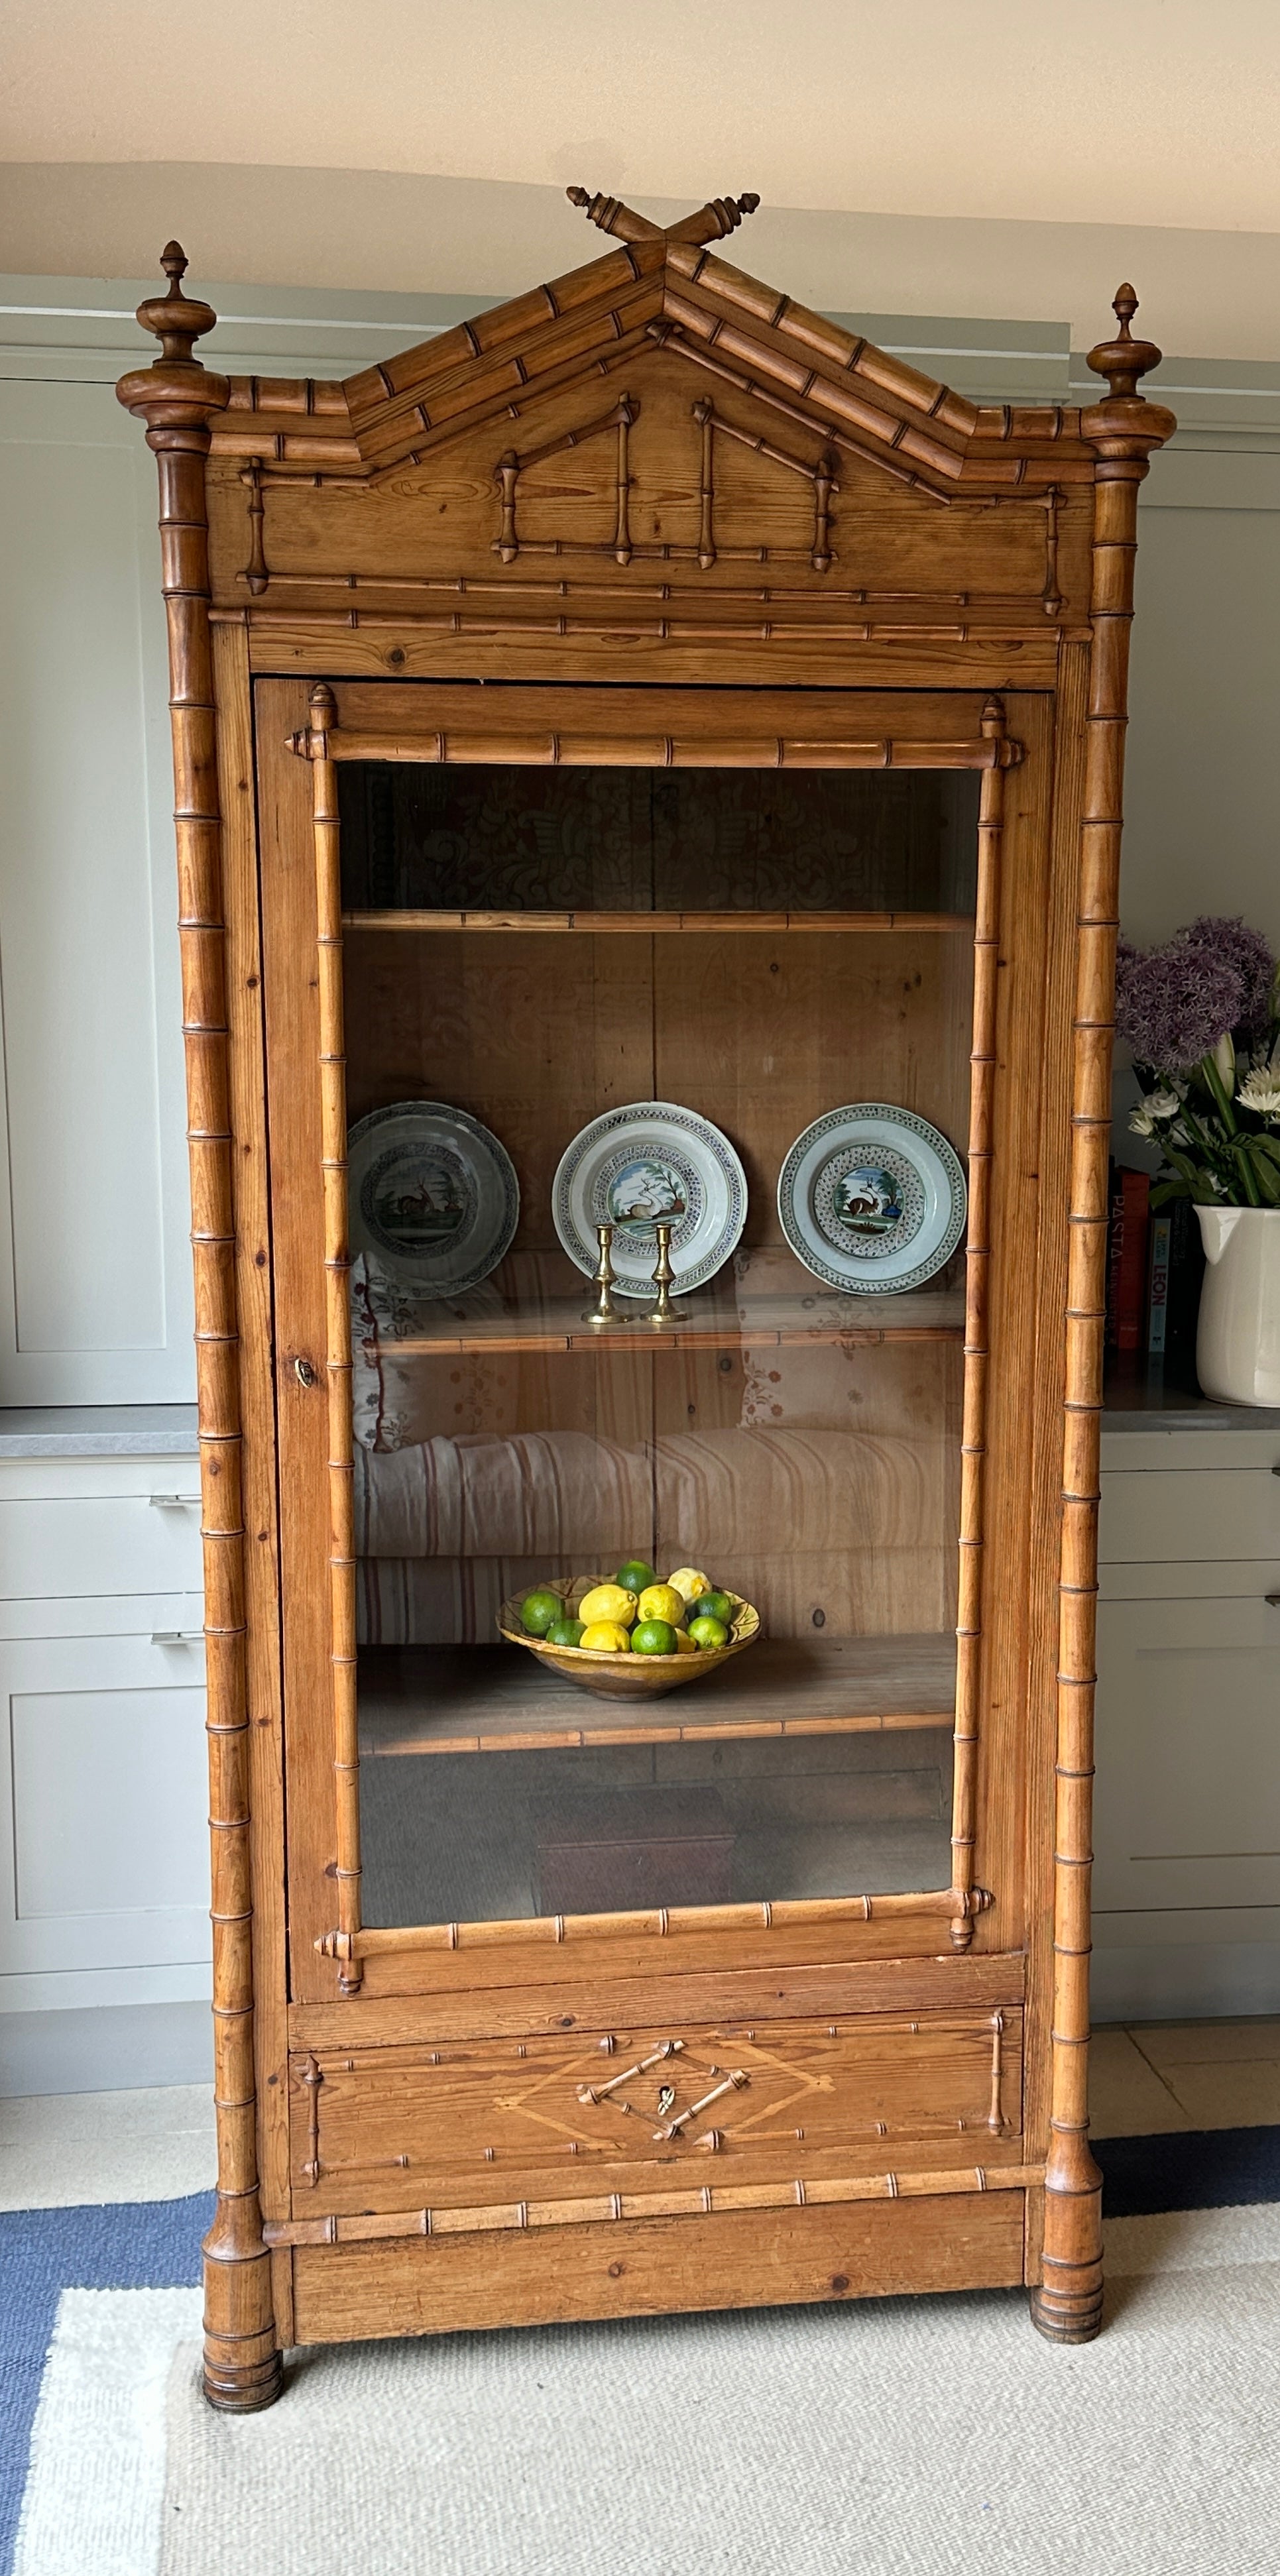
column 1186, row 1272
column 1126, row 1324
column 1158, row 1284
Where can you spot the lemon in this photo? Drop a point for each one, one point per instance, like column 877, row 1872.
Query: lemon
column 685, row 1644
column 689, row 1583
column 608, row 1601
column 605, row 1637
column 662, row 1601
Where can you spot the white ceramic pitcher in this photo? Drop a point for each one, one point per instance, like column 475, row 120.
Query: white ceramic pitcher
column 1238, row 1340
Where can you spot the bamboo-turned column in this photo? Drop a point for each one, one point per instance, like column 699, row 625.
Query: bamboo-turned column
column 322, row 719
column 973, row 1438
column 1122, row 430
column 177, row 398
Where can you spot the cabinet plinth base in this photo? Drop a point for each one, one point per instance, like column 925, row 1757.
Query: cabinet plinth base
column 243, row 2388
column 1066, row 2317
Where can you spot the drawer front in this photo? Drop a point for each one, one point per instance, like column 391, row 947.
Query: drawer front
column 102, row 1543
column 1166, row 1516
column 497, row 2120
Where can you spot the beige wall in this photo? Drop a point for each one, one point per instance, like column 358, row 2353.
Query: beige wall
column 1217, row 293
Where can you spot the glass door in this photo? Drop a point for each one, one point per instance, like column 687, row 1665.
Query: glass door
column 727, row 1013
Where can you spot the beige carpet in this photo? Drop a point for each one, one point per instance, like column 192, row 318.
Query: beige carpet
column 929, row 2437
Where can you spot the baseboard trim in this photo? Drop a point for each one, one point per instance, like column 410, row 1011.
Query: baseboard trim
column 105, row 2048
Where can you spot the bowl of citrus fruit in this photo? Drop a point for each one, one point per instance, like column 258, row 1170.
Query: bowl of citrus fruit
column 629, row 1636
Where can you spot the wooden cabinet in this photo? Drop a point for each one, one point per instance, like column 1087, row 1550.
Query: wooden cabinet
column 646, row 701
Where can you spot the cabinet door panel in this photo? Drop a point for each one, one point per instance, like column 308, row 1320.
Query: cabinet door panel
column 104, row 1781
column 1188, row 1752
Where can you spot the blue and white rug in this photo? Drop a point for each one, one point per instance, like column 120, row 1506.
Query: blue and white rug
column 92, row 2305
column 765, row 2444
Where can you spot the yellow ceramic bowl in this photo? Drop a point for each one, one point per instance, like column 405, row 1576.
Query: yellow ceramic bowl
column 626, row 1676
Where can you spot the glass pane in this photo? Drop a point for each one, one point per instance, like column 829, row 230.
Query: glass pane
column 797, row 1445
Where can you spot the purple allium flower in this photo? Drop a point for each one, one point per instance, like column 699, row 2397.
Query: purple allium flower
column 1242, row 948
column 1174, row 1003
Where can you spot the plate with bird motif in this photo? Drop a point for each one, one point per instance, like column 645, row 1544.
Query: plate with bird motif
column 432, row 1194
column 872, row 1199
column 635, row 1167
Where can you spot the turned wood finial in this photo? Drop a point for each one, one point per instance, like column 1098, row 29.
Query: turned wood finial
column 1123, row 360
column 177, row 320
column 721, row 215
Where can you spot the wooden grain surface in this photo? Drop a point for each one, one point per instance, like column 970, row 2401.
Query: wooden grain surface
column 661, row 514
column 700, row 1323
column 486, row 2123
column 740, row 2259
column 464, row 1699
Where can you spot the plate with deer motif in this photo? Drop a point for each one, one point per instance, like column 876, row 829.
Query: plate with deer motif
column 872, row 1199
column 635, row 1167
column 432, row 1194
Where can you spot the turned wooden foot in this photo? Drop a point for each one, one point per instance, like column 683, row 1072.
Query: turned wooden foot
column 1067, row 2316
column 242, row 2388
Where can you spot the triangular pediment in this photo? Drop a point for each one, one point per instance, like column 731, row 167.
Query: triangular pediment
column 738, row 340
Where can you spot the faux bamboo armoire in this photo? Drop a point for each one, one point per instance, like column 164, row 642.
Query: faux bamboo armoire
column 647, row 691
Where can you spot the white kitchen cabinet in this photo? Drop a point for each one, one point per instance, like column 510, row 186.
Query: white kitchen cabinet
column 1187, row 1804
column 103, row 1782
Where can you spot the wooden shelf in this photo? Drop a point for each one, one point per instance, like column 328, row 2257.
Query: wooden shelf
column 930, row 1315
column 494, row 1699
column 599, row 925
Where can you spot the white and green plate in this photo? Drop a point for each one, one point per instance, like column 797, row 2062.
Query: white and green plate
column 635, row 1166
column 872, row 1199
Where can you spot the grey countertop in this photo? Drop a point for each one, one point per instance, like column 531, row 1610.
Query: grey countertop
column 1142, row 1404
column 169, row 1430
column 97, row 1430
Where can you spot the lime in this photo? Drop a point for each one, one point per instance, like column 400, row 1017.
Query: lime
column 608, row 1601
column 538, row 1609
column 654, row 1637
column 708, row 1633
column 716, row 1605
column 604, row 1637
column 565, row 1632
column 635, row 1575
column 662, row 1601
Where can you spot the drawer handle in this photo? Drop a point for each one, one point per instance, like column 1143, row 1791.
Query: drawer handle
column 1273, row 1598
column 732, row 2084
column 177, row 1636
column 600, row 2092
column 173, row 1502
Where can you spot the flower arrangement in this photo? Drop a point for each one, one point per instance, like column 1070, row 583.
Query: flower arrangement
column 1202, row 1017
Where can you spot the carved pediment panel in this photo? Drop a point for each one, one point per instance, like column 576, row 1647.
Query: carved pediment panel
column 667, row 472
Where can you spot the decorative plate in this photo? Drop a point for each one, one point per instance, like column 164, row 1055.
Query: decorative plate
column 432, row 1194
column 872, row 1199
column 634, row 1166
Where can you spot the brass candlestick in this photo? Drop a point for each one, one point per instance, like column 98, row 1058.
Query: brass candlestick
column 604, row 1310
column 662, row 1310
